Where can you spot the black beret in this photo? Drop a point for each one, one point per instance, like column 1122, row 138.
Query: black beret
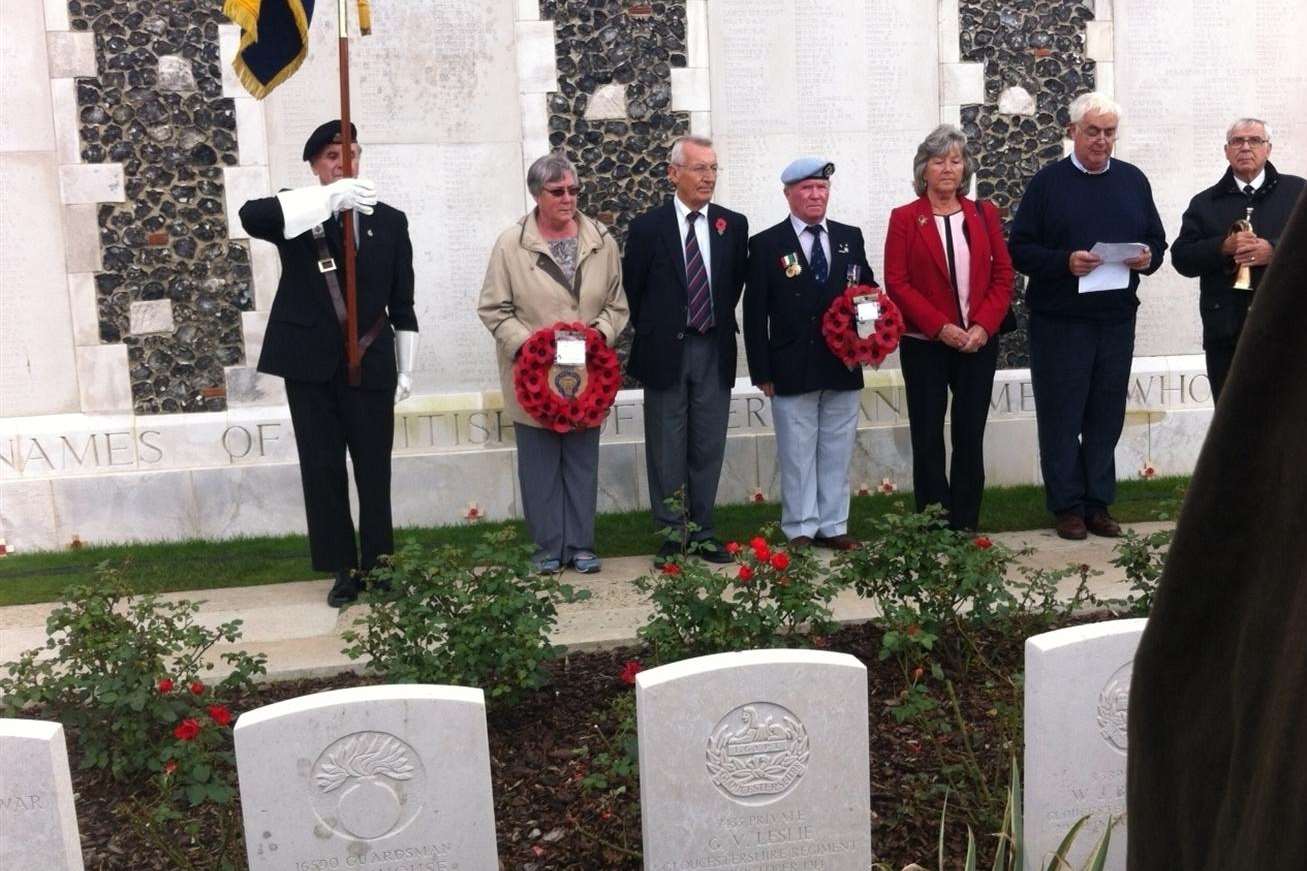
column 325, row 135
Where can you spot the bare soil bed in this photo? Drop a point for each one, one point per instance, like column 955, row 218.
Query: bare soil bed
column 547, row 819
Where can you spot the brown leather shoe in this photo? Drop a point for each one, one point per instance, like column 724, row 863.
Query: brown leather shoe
column 843, row 541
column 800, row 541
column 1101, row 523
column 1071, row 526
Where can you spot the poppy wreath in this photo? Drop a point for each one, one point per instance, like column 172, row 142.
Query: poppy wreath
column 839, row 327
column 550, row 409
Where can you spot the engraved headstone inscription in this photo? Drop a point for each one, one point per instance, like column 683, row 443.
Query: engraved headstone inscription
column 38, row 825
column 754, row 760
column 384, row 776
column 1076, row 699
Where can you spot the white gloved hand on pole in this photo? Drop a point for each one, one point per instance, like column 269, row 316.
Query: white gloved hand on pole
column 406, row 351
column 306, row 207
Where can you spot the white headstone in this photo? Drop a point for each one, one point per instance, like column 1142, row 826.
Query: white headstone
column 757, row 759
column 1076, row 698
column 38, row 825
column 384, row 776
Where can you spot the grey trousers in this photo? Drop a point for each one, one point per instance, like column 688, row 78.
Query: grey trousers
column 815, row 433
column 559, row 475
column 685, row 437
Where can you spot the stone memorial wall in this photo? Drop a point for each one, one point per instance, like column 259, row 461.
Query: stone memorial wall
column 133, row 305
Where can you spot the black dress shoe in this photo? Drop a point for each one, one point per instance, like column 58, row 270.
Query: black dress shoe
column 710, row 550
column 843, row 541
column 344, row 591
column 665, row 553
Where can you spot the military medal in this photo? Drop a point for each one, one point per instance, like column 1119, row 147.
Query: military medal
column 790, row 263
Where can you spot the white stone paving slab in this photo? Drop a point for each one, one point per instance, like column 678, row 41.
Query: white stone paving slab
column 396, row 776
column 1076, row 700
column 38, row 824
column 756, row 759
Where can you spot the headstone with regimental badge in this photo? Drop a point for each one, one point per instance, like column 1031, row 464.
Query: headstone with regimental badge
column 38, row 824
column 1077, row 698
column 756, row 759
column 382, row 776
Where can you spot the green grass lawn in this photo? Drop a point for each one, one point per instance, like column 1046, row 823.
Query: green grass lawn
column 199, row 565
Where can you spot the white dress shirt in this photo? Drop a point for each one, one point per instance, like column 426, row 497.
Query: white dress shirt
column 1257, row 181
column 1080, row 166
column 701, row 234
column 805, row 238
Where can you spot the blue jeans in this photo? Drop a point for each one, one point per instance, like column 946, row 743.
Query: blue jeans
column 1080, row 372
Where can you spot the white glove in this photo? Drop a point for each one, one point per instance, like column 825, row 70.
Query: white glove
column 406, row 351
column 304, row 208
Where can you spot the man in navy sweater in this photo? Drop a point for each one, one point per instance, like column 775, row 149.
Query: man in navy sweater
column 1082, row 343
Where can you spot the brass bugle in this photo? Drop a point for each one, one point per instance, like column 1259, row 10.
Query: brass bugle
column 1243, row 273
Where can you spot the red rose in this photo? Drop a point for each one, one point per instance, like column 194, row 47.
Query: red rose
column 197, row 688
column 780, row 561
column 220, row 715
column 745, row 574
column 630, row 670
column 671, row 569
column 186, row 730
column 982, row 542
column 720, row 225
column 170, row 767
column 164, row 685
column 757, row 541
column 762, row 554
column 732, row 547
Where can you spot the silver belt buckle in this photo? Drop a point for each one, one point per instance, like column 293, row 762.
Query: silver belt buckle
column 326, row 264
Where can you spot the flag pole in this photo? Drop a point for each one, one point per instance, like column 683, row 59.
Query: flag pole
column 353, row 368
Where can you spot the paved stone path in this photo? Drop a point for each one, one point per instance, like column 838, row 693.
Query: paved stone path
column 292, row 624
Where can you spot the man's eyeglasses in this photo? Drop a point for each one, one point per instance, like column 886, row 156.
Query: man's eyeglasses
column 702, row 169
column 1250, row 141
column 573, row 191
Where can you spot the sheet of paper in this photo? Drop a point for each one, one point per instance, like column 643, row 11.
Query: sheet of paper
column 1106, row 276
column 1118, row 252
column 1112, row 273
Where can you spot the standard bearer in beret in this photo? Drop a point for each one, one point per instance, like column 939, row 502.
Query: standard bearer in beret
column 305, row 345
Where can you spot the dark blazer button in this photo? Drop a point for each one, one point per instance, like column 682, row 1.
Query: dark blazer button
column 680, row 335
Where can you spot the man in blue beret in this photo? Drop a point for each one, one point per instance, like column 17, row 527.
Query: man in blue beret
column 796, row 269
column 304, row 344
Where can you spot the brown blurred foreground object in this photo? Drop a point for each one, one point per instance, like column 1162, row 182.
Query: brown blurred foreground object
column 1218, row 704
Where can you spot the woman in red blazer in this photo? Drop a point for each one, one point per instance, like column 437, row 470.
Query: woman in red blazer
column 947, row 268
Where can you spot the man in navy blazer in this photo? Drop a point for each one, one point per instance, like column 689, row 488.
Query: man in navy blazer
column 796, row 269
column 683, row 272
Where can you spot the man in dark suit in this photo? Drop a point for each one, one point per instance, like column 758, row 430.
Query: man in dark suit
column 795, row 269
column 683, row 271
column 305, row 344
column 1208, row 251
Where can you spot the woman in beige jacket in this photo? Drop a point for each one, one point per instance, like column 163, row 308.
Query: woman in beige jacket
column 554, row 265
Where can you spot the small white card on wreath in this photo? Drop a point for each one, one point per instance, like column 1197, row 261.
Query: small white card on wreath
column 570, row 349
column 867, row 311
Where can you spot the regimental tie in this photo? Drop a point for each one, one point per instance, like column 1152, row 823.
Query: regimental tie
column 820, row 268
column 1249, row 190
column 696, row 280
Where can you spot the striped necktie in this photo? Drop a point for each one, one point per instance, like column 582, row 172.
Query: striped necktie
column 696, row 279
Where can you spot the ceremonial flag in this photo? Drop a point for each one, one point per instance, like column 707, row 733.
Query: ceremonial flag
column 275, row 39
